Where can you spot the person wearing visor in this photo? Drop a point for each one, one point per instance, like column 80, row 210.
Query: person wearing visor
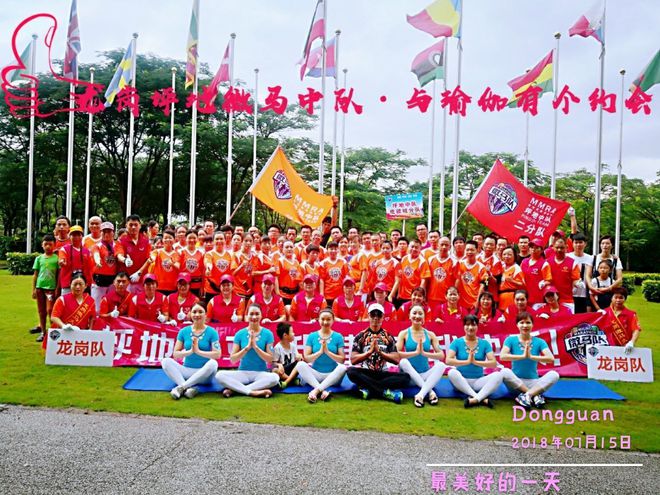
column 307, row 304
column 181, row 302
column 224, row 308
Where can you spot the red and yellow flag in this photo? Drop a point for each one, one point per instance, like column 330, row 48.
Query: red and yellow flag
column 279, row 187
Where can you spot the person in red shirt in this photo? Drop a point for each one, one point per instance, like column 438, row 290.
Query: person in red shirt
column 332, row 271
column 417, row 297
column 272, row 305
column 450, row 310
column 537, row 273
column 623, row 322
column 117, row 301
column 380, row 297
column 74, row 257
column 347, row 307
column 486, row 310
column 181, row 302
column 106, row 256
column 61, row 231
column 552, row 308
column 520, row 305
column 192, row 262
column 415, row 273
column 149, row 305
column 137, row 249
column 225, row 307
column 307, row 304
column 75, row 310
column 565, row 274
column 443, row 273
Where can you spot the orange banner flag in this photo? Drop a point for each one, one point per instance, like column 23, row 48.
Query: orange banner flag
column 279, row 187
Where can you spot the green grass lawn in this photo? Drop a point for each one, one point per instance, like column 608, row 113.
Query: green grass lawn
column 26, row 380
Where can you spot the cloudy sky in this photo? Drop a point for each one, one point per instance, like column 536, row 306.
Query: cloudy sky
column 501, row 38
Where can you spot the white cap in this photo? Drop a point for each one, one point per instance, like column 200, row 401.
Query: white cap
column 376, row 307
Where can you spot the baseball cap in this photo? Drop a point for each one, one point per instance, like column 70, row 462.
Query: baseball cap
column 536, row 242
column 309, row 278
column 76, row 228
column 227, row 278
column 550, row 289
column 381, row 286
column 150, row 277
column 268, row 279
column 107, row 226
column 376, row 307
column 183, row 277
column 560, row 233
column 348, row 280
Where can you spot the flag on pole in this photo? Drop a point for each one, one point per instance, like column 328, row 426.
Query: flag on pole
column 223, row 71
column 316, row 31
column 430, row 63
column 26, row 60
column 191, row 48
column 591, row 23
column 649, row 76
column 315, row 60
column 124, row 76
column 540, row 75
column 441, row 18
column 73, row 46
column 279, row 187
column 508, row 208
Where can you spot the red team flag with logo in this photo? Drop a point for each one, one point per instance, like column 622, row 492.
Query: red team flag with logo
column 280, row 187
column 508, row 208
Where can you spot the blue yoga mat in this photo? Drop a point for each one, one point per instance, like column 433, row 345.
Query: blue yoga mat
column 155, row 380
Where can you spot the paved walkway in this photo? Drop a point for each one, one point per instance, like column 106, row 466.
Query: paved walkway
column 55, row 451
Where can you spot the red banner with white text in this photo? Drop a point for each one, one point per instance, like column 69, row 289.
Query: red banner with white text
column 141, row 343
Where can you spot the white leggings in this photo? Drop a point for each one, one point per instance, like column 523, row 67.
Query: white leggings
column 97, row 295
column 245, row 382
column 425, row 380
column 543, row 383
column 320, row 381
column 187, row 377
column 485, row 386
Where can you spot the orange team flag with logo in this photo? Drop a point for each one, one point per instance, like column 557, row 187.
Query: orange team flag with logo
column 279, row 187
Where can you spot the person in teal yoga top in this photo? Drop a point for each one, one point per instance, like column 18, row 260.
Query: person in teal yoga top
column 416, row 346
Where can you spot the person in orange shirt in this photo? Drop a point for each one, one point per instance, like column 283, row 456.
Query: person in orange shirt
column 236, row 243
column 493, row 264
column 458, row 249
column 217, row 263
column 105, row 255
column 243, row 265
column 316, row 241
column 369, row 260
column 274, row 233
column 74, row 310
column 344, row 251
column 513, row 278
column 265, row 266
column 332, row 271
column 192, row 262
column 94, row 236
column 401, row 248
column 311, row 263
column 443, row 273
column 433, row 249
column 415, row 273
column 166, row 264
column 471, row 277
column 306, row 240
column 385, row 270
column 180, row 237
column 289, row 274
column 61, row 232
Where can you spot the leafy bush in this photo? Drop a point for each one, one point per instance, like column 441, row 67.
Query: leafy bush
column 640, row 277
column 21, row 263
column 629, row 283
column 8, row 244
column 651, row 290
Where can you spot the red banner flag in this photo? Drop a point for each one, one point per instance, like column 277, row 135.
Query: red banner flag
column 509, row 209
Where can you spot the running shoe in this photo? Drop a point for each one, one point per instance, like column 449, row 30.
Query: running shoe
column 40, row 338
column 35, row 330
column 539, row 401
column 191, row 392
column 523, row 400
column 395, row 396
column 176, row 392
column 283, row 384
column 365, row 393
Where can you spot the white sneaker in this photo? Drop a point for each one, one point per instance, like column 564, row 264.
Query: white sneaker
column 176, row 392
column 191, row 392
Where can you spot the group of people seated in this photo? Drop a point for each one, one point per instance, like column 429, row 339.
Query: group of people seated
column 203, row 275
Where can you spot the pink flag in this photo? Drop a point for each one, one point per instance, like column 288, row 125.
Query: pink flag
column 315, row 61
column 591, row 23
column 223, row 71
column 316, row 31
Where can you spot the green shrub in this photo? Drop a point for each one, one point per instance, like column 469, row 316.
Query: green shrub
column 21, row 263
column 9, row 244
column 640, row 277
column 629, row 283
column 651, row 290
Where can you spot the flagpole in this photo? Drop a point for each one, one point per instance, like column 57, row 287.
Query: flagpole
column 553, row 180
column 88, row 161
column 432, row 157
column 254, row 144
column 526, row 155
column 69, row 153
column 230, row 160
column 334, row 124
column 321, row 139
column 617, row 228
column 596, row 233
column 441, row 202
column 454, row 199
column 28, row 249
column 131, row 131
column 343, row 158
column 171, row 171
